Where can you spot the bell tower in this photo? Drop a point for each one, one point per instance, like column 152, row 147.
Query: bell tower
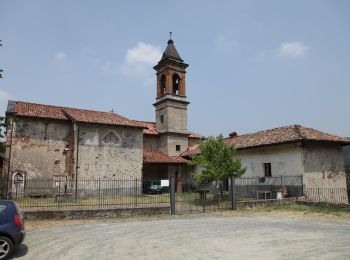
column 171, row 103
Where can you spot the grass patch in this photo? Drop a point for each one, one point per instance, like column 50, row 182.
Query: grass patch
column 306, row 209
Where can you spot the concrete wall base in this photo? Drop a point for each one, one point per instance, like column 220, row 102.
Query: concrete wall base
column 100, row 213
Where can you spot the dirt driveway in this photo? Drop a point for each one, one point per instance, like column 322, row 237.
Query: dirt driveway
column 192, row 237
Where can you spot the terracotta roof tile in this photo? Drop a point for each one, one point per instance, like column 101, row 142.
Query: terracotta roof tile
column 66, row 113
column 159, row 157
column 287, row 134
column 39, row 110
column 191, row 150
column 150, row 129
column 281, row 135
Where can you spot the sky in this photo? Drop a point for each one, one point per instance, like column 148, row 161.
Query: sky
column 253, row 65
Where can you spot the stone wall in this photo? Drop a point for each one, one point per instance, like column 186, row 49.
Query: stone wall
column 100, row 159
column 150, row 143
column 39, row 147
column 346, row 156
column 42, row 149
column 323, row 166
column 286, row 160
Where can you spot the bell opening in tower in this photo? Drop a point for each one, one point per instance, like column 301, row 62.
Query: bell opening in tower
column 176, row 84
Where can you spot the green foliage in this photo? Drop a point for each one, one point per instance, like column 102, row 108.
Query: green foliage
column 218, row 161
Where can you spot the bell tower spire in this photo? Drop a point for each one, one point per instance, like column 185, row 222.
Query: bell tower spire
column 171, row 103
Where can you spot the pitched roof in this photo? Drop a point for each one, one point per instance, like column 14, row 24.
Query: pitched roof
column 191, row 150
column 159, row 158
column 171, row 52
column 65, row 113
column 280, row 135
column 150, row 129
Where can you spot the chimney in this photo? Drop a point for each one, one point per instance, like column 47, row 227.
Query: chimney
column 233, row 134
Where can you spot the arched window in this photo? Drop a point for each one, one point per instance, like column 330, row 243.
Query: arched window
column 162, row 85
column 176, row 84
column 111, row 138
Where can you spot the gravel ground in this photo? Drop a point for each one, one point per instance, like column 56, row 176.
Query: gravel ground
column 192, row 237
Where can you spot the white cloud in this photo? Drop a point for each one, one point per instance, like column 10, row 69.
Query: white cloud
column 224, row 43
column 293, row 49
column 139, row 61
column 143, row 53
column 60, row 56
column 4, row 96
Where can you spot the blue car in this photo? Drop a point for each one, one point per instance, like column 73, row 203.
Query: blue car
column 12, row 231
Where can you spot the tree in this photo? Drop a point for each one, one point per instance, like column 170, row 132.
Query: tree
column 218, row 160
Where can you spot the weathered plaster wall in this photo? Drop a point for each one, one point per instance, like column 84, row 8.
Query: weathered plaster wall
column 175, row 116
column 169, row 141
column 286, row 160
column 346, row 156
column 150, row 143
column 193, row 141
column 100, row 160
column 38, row 147
column 324, row 166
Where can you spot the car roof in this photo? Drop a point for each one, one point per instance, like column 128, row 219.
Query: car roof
column 7, row 201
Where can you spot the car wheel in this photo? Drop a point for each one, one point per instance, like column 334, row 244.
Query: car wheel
column 6, row 247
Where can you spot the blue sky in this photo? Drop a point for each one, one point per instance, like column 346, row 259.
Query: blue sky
column 254, row 65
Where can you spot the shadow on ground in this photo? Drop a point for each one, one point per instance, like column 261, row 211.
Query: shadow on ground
column 20, row 251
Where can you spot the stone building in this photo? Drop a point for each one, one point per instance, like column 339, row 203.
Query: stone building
column 291, row 151
column 53, row 142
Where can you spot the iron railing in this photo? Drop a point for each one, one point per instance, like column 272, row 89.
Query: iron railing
column 66, row 194
column 327, row 195
column 42, row 194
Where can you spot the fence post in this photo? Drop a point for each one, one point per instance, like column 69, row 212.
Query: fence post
column 233, row 193
column 99, row 193
column 172, row 195
column 282, row 183
column 59, row 193
column 302, row 185
column 135, row 191
column 205, row 199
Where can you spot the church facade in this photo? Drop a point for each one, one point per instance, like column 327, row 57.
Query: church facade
column 55, row 142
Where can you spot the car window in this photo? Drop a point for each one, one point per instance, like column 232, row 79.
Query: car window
column 3, row 208
column 19, row 212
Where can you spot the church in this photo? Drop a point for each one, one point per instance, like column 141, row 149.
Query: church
column 58, row 143
column 55, row 142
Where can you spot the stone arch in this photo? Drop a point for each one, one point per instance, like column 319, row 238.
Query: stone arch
column 162, row 84
column 176, row 84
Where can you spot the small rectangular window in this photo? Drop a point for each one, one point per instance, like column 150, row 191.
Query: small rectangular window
column 162, row 119
column 267, row 169
column 178, row 148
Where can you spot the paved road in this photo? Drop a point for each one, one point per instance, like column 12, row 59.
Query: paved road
column 199, row 237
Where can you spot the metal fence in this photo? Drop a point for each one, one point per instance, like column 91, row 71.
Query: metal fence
column 268, row 187
column 326, row 195
column 43, row 194
column 220, row 196
column 65, row 194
